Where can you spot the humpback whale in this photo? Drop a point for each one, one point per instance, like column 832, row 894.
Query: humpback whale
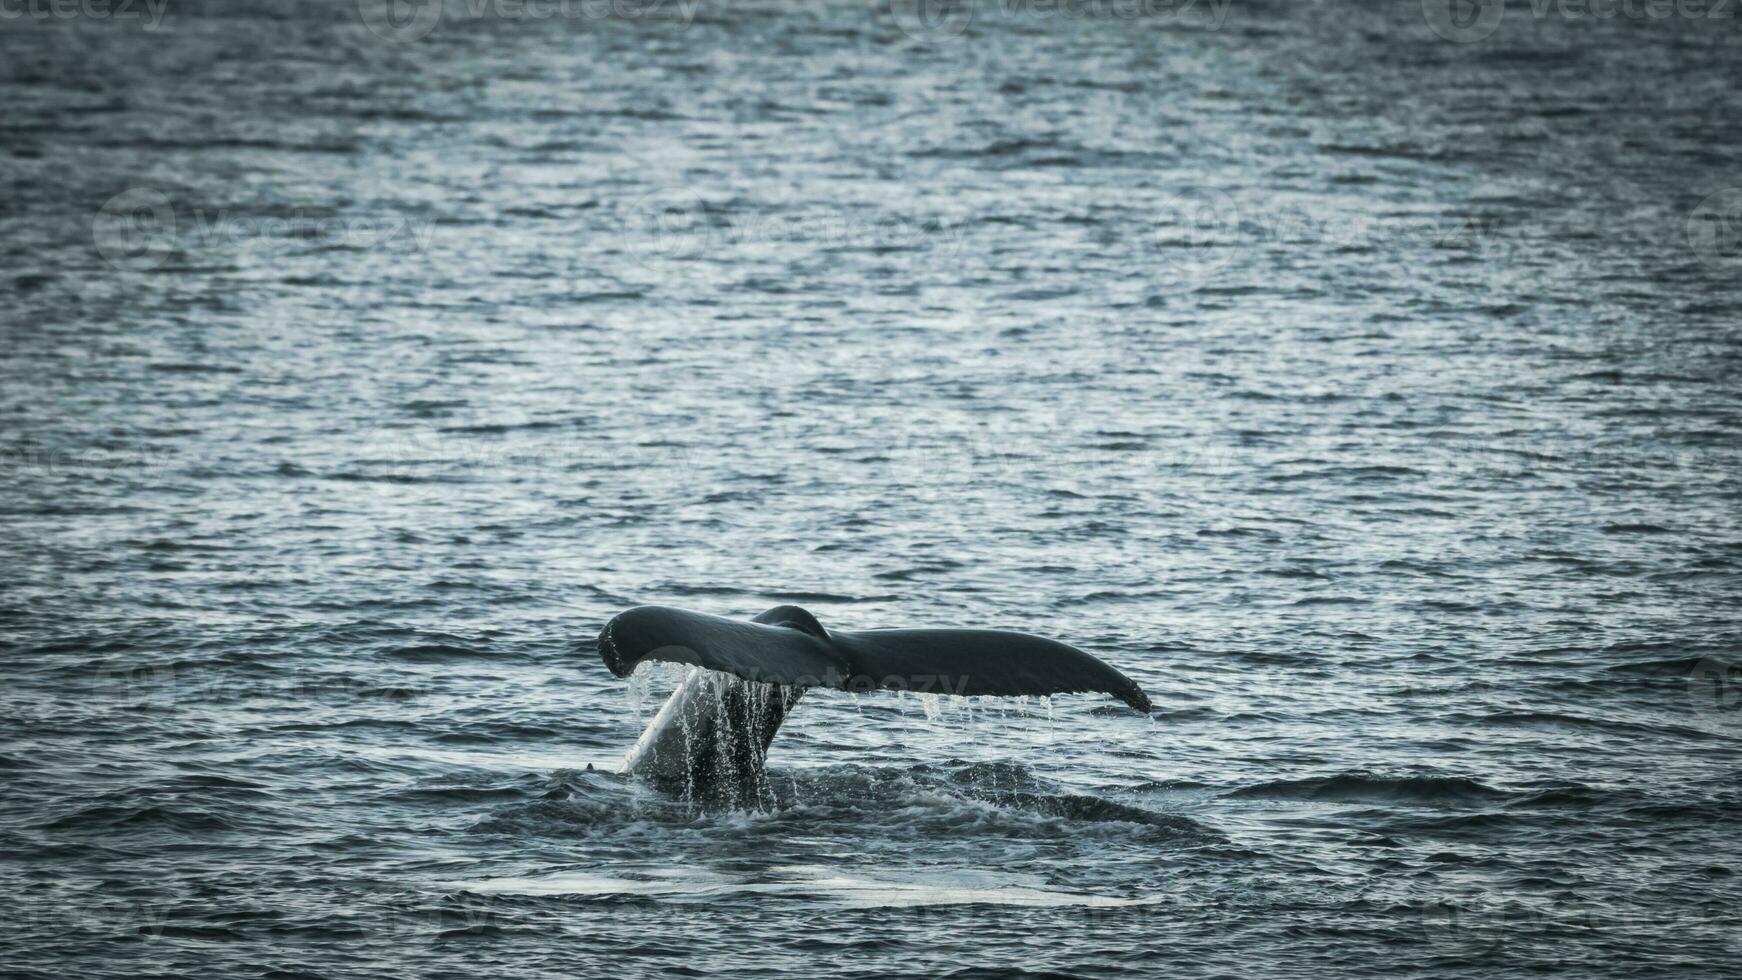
column 709, row 741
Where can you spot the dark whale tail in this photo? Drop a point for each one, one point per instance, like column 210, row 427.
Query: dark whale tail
column 714, row 732
column 786, row 645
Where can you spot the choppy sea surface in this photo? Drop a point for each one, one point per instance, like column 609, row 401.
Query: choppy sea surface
column 1369, row 397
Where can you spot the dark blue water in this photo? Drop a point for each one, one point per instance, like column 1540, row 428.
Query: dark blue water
column 1370, row 398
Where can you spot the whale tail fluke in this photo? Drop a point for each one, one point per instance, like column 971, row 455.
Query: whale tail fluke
column 786, row 645
column 710, row 740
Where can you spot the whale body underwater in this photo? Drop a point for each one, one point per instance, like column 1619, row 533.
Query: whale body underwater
column 709, row 741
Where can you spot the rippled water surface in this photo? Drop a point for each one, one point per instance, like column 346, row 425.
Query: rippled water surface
column 1370, row 399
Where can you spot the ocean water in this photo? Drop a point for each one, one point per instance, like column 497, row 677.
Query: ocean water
column 1368, row 396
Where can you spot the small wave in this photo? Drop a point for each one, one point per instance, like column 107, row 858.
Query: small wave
column 827, row 597
column 348, row 476
column 1007, row 973
column 1364, row 787
column 1673, row 667
column 501, row 428
column 1303, row 573
column 1104, row 596
column 700, row 590
column 107, row 816
column 459, row 794
column 427, row 653
column 211, row 784
column 1233, row 532
column 905, row 574
column 429, row 407
column 191, row 368
column 1571, row 796
column 1554, row 720
column 1091, row 809
column 1636, row 529
column 1169, row 785
column 1472, row 826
